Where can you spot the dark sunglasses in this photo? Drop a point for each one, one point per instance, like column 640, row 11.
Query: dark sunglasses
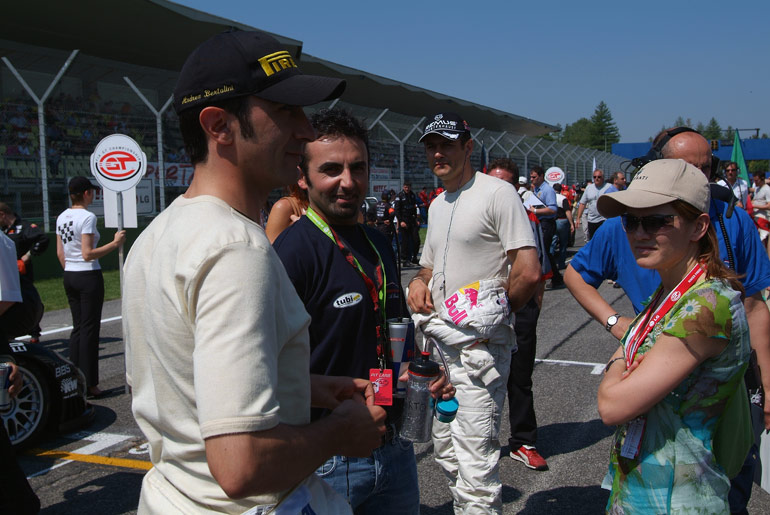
column 650, row 224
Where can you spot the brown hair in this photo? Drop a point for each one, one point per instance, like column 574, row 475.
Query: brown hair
column 76, row 198
column 708, row 249
column 505, row 164
column 299, row 193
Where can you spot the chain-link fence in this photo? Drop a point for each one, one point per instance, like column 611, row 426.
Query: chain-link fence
column 79, row 110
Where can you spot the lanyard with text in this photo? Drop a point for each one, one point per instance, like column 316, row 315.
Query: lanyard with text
column 376, row 291
column 642, row 329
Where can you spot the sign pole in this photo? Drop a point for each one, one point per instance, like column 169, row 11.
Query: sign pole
column 120, row 247
column 118, row 164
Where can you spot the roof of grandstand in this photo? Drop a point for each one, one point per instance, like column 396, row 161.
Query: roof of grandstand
column 152, row 38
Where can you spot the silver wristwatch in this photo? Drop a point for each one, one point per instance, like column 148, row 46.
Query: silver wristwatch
column 611, row 321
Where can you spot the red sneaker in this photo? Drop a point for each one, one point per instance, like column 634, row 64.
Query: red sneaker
column 529, row 456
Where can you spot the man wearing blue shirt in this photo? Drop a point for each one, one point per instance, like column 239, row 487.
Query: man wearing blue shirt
column 546, row 214
column 608, row 256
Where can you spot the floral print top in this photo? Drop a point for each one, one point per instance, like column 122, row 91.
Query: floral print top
column 675, row 471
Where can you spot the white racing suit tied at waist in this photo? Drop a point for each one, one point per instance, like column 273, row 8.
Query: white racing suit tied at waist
column 466, row 320
column 478, row 351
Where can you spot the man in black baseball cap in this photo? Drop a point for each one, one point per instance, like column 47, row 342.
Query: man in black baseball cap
column 240, row 63
column 216, row 336
column 479, row 244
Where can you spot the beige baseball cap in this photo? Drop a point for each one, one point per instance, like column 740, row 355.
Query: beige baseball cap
column 659, row 182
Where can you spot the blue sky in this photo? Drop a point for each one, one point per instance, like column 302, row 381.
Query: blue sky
column 551, row 61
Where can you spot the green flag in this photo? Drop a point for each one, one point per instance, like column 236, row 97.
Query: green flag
column 737, row 156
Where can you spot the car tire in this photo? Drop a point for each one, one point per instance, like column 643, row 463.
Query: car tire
column 27, row 418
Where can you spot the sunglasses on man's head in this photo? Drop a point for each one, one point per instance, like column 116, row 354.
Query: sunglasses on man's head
column 650, row 223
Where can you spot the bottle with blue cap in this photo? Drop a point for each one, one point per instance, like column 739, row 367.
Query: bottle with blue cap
column 418, row 407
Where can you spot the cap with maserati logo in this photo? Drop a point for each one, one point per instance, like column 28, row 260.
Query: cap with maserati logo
column 449, row 125
column 240, row 63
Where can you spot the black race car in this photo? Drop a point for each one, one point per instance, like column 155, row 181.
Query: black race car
column 53, row 397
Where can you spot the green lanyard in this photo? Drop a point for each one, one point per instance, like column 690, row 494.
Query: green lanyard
column 377, row 292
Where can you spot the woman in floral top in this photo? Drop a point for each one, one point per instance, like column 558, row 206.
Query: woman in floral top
column 681, row 359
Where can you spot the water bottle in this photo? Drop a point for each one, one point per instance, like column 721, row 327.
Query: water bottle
column 418, row 407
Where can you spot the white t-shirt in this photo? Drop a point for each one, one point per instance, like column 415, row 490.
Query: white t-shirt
column 762, row 196
column 216, row 343
column 589, row 198
column 470, row 232
column 71, row 225
column 10, row 290
column 740, row 189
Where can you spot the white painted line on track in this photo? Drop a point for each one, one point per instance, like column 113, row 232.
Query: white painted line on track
column 68, row 328
column 598, row 368
column 100, row 441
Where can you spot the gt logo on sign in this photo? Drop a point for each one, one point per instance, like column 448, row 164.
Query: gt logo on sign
column 118, row 165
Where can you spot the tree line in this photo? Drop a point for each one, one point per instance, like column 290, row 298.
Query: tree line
column 711, row 131
column 598, row 132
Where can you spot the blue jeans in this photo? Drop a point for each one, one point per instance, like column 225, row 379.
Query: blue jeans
column 384, row 483
column 740, row 485
column 559, row 250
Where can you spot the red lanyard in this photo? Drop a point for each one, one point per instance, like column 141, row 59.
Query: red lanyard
column 376, row 291
column 639, row 332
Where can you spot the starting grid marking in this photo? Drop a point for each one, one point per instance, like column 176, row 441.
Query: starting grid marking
column 89, row 453
column 68, row 328
column 598, row 368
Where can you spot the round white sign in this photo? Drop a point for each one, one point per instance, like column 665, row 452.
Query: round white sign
column 118, row 163
column 554, row 175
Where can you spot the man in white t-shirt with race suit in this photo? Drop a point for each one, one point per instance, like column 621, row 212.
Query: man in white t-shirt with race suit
column 479, row 265
column 217, row 345
column 588, row 202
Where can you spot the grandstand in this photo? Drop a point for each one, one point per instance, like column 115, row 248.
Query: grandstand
column 95, row 79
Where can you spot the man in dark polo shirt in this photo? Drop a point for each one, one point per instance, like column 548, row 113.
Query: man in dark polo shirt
column 345, row 274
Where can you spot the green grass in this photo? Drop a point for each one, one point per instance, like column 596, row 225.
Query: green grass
column 53, row 296
column 52, row 290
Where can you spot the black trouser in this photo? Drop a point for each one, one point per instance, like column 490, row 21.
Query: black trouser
column 592, row 227
column 387, row 230
column 521, row 405
column 410, row 241
column 549, row 231
column 16, row 496
column 85, row 293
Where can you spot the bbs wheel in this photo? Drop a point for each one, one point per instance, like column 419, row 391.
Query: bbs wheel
column 27, row 417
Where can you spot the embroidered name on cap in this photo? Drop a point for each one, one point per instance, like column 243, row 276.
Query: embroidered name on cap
column 276, row 62
column 208, row 93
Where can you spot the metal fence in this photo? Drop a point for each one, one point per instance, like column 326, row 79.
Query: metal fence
column 47, row 139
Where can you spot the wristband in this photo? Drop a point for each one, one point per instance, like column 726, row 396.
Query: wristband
column 607, row 368
column 417, row 278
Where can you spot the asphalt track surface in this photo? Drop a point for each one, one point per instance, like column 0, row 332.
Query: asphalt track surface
column 99, row 469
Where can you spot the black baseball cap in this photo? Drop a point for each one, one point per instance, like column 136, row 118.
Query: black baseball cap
column 239, row 63
column 449, row 125
column 81, row 185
